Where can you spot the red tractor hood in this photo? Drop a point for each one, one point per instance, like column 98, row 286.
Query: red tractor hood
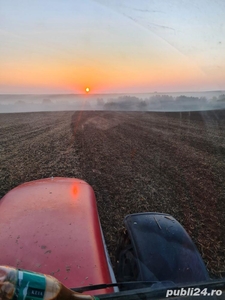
column 51, row 226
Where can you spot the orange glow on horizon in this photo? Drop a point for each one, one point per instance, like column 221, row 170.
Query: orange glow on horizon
column 106, row 78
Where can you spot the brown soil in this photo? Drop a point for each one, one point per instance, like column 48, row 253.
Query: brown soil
column 135, row 161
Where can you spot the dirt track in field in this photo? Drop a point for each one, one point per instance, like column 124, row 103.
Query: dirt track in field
column 135, row 161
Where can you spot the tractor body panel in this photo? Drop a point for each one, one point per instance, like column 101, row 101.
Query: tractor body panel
column 52, row 226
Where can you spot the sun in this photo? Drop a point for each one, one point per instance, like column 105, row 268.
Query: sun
column 87, row 90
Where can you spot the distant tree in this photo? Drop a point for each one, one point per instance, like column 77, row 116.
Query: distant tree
column 142, row 105
column 161, row 98
column 100, row 102
column 221, row 98
column 186, row 99
column 111, row 106
column 214, row 99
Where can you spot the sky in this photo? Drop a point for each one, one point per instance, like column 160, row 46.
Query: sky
column 113, row 46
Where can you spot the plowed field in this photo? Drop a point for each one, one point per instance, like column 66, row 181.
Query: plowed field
column 135, row 161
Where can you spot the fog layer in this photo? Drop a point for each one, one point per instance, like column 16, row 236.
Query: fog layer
column 117, row 102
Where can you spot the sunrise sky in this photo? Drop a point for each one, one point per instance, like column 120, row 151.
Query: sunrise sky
column 117, row 46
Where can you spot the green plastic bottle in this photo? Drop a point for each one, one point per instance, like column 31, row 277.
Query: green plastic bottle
column 16, row 284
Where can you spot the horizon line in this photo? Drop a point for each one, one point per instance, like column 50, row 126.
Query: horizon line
column 111, row 93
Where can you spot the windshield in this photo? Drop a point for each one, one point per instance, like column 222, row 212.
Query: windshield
column 128, row 96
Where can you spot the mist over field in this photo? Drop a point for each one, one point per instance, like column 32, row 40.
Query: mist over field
column 195, row 101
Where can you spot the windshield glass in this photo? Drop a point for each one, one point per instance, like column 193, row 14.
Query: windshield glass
column 128, row 96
